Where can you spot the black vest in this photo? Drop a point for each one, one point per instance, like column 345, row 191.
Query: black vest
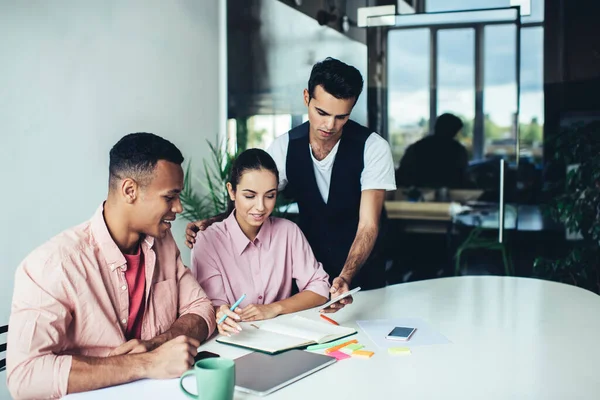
column 331, row 227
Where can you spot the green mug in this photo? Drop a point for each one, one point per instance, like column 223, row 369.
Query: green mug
column 215, row 379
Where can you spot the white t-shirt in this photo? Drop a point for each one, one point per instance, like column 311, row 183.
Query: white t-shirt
column 378, row 172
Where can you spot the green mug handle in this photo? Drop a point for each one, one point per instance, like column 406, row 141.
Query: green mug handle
column 188, row 394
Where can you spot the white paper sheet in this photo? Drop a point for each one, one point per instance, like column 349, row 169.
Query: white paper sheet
column 378, row 329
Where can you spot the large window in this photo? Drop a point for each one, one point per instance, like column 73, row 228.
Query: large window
column 500, row 90
column 532, row 93
column 455, row 78
column 408, row 98
column 257, row 131
column 534, row 9
column 470, row 71
column 263, row 129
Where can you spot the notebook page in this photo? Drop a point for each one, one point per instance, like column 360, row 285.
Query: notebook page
column 308, row 329
column 262, row 339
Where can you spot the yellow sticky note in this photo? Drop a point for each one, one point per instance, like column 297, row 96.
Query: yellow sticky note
column 399, row 350
column 362, row 353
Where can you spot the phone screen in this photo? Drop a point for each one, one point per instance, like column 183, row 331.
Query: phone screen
column 401, row 332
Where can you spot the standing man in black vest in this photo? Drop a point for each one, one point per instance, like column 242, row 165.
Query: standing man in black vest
column 338, row 172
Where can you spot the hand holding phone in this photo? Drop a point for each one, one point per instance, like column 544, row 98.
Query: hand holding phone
column 338, row 298
column 401, row 333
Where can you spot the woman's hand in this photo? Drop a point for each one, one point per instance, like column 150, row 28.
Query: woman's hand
column 256, row 312
column 228, row 326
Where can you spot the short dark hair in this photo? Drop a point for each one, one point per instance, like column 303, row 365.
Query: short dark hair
column 340, row 80
column 250, row 160
column 447, row 125
column 135, row 156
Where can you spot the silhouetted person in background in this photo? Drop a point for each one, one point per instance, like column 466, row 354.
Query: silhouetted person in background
column 437, row 160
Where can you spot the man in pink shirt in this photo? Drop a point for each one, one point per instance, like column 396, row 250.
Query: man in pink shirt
column 110, row 301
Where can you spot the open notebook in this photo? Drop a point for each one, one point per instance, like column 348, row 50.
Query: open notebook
column 279, row 335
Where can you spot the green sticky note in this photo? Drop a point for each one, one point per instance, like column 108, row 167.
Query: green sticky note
column 327, row 345
column 399, row 350
column 355, row 346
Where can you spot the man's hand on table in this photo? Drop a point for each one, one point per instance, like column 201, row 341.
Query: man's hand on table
column 133, row 346
column 171, row 359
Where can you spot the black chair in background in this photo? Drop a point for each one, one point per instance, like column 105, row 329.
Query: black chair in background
column 3, row 329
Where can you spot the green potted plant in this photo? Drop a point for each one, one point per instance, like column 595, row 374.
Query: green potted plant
column 216, row 172
column 576, row 205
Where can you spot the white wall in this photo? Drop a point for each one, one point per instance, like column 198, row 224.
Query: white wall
column 75, row 76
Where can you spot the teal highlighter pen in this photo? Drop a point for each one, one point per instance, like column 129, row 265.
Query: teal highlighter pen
column 233, row 307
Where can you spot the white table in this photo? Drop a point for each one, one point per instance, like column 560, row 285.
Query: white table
column 512, row 338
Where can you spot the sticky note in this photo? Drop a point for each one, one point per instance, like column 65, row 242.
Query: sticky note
column 327, row 345
column 338, row 355
column 336, row 348
column 354, row 346
column 346, row 350
column 399, row 351
column 362, row 353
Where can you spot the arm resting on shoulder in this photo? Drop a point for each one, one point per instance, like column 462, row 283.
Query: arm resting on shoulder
column 200, row 225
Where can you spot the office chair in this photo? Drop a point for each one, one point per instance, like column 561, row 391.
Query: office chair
column 478, row 241
column 3, row 329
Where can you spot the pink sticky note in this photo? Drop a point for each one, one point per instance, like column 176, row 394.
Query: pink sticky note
column 338, row 355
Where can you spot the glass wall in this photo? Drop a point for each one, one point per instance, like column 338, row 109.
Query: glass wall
column 532, row 94
column 436, row 69
column 456, row 79
column 500, row 91
column 408, row 94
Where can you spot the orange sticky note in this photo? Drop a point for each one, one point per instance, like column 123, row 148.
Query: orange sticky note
column 336, row 348
column 362, row 353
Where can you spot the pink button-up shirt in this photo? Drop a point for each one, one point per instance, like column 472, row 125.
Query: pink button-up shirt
column 71, row 297
column 227, row 264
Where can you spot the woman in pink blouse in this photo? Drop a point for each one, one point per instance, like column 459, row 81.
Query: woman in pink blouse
column 250, row 252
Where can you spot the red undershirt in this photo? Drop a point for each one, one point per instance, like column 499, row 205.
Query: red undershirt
column 135, row 275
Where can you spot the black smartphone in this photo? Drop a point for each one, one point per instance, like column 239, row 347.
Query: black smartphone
column 204, row 354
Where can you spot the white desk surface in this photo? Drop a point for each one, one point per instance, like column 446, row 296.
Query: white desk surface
column 512, row 338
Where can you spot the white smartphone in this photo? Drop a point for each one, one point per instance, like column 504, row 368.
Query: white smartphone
column 400, row 333
column 341, row 296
